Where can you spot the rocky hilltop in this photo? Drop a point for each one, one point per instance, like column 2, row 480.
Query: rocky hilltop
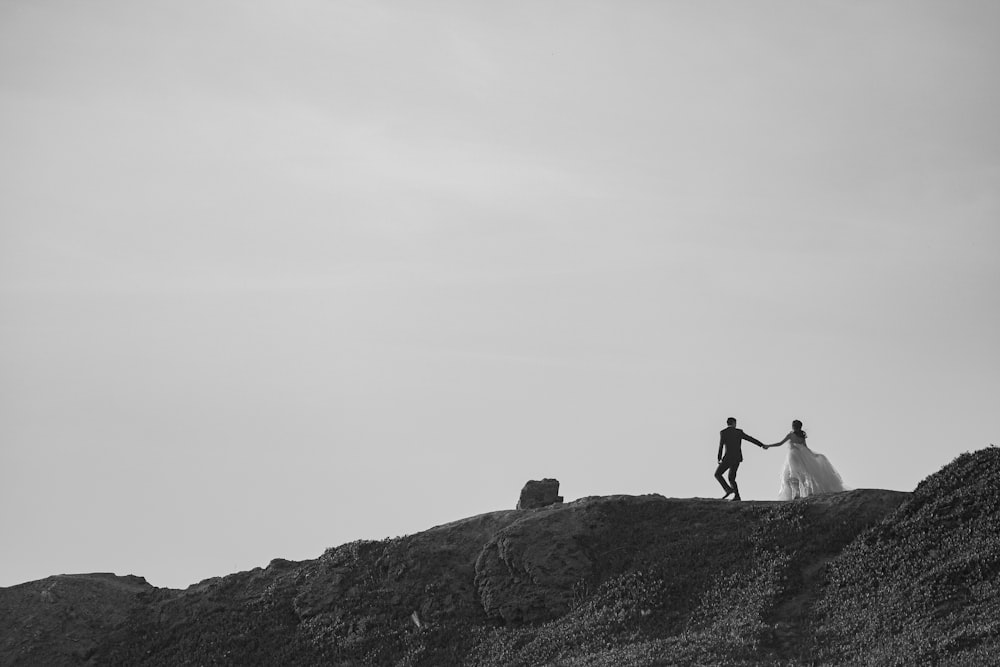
column 862, row 577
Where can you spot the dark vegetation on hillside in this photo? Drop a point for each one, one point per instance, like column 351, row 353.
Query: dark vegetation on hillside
column 923, row 587
column 863, row 577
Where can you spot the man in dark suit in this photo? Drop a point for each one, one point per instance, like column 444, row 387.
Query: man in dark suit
column 731, row 455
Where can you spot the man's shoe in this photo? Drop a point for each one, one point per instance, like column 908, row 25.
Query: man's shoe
column 736, row 498
column 728, row 493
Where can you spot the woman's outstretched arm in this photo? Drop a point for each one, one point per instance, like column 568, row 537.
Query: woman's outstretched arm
column 778, row 444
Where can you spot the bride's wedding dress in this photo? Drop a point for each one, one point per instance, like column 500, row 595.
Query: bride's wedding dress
column 807, row 473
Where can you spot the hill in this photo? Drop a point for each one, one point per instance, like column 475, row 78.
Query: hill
column 862, row 577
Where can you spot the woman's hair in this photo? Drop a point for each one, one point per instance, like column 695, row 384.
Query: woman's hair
column 797, row 426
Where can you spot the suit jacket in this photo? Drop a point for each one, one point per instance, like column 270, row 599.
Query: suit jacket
column 731, row 441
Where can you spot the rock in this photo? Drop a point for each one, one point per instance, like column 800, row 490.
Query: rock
column 526, row 573
column 539, row 494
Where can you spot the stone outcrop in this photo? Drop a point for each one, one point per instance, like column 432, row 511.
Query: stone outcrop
column 61, row 620
column 539, row 493
column 528, row 570
column 534, row 569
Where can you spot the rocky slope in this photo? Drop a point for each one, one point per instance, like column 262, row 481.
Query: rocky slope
column 61, row 620
column 863, row 577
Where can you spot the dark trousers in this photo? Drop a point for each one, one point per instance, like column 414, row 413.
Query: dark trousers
column 732, row 467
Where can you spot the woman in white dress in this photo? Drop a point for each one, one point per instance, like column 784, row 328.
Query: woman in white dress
column 806, row 473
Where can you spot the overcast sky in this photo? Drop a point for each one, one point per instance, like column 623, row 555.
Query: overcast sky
column 275, row 276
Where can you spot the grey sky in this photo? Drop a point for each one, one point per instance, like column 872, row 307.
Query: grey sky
column 276, row 276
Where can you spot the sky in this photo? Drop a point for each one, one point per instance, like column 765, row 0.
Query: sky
column 277, row 276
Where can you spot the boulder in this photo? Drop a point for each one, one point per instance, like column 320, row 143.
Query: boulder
column 539, row 494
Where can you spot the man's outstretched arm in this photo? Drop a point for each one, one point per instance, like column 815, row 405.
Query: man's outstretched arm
column 747, row 436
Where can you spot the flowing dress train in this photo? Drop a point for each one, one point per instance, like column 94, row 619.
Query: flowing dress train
column 807, row 473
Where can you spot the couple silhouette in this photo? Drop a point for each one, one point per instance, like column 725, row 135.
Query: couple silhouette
column 805, row 472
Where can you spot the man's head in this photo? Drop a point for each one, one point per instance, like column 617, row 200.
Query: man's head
column 731, row 421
